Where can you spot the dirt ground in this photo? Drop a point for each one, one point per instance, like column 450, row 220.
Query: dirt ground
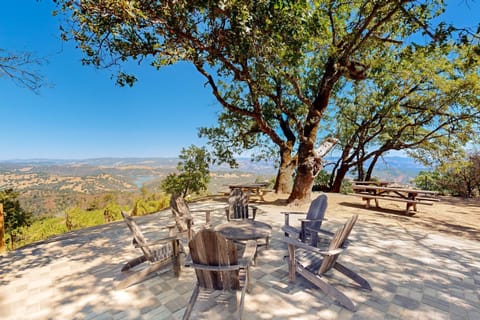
column 455, row 216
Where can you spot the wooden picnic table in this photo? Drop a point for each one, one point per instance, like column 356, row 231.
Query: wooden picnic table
column 257, row 189
column 371, row 182
column 411, row 197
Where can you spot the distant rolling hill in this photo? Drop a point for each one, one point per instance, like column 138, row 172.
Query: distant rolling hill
column 48, row 185
column 395, row 169
column 130, row 173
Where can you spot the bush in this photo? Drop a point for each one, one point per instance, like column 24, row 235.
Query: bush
column 322, row 181
column 76, row 218
column 41, row 229
column 346, row 187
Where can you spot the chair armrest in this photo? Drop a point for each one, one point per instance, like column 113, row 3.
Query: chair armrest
column 291, row 230
column 202, row 210
column 248, row 253
column 323, row 231
column 287, row 215
column 310, row 220
column 294, row 212
column 207, row 212
column 170, row 226
column 158, row 241
column 207, row 267
column 299, row 244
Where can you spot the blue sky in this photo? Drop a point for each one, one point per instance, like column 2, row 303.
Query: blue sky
column 83, row 114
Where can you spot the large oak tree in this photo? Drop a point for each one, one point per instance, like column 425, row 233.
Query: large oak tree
column 281, row 59
column 426, row 102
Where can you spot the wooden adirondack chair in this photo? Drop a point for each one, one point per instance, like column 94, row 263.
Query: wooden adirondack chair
column 238, row 207
column 158, row 254
column 217, row 267
column 310, row 226
column 183, row 216
column 312, row 263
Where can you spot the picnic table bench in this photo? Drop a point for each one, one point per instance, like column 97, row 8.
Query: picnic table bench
column 412, row 197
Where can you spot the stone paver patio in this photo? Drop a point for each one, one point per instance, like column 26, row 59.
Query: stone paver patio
column 414, row 273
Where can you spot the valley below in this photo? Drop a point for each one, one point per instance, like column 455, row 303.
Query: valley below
column 51, row 186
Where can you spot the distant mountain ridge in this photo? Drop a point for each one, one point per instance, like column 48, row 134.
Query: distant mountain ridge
column 50, row 185
column 395, row 168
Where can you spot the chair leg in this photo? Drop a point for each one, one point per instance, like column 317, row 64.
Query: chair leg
column 291, row 263
column 328, row 289
column 191, row 302
column 352, row 275
column 242, row 300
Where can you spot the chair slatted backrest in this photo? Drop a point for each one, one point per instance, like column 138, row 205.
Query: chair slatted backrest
column 180, row 212
column 210, row 248
column 337, row 241
column 238, row 204
column 138, row 237
column 316, row 211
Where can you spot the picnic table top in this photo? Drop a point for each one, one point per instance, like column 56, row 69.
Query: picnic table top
column 394, row 189
column 371, row 182
column 249, row 185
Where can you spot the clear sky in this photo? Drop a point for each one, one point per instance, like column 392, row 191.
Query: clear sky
column 83, row 114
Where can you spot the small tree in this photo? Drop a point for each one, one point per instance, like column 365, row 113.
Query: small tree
column 460, row 176
column 193, row 173
column 15, row 216
column 428, row 180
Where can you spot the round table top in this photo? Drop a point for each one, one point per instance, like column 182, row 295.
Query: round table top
column 244, row 230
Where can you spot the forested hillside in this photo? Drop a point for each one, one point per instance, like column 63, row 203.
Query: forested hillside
column 51, row 186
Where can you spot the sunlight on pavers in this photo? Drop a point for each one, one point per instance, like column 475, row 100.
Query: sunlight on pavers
column 414, row 273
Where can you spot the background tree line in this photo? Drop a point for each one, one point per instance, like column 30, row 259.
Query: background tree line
column 459, row 177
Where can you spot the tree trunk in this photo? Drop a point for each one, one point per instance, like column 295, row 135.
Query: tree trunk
column 360, row 171
column 371, row 167
column 341, row 173
column 285, row 172
column 302, row 186
column 12, row 241
column 309, row 165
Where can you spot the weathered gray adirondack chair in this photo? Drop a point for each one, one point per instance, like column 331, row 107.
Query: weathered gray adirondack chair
column 238, row 207
column 159, row 254
column 312, row 263
column 183, row 216
column 217, row 266
column 310, row 226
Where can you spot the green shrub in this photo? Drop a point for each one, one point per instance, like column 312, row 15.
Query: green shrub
column 346, row 187
column 41, row 229
column 321, row 182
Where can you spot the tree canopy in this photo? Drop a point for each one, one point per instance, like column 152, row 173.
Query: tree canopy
column 459, row 176
column 427, row 102
column 193, row 173
column 275, row 62
column 15, row 216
